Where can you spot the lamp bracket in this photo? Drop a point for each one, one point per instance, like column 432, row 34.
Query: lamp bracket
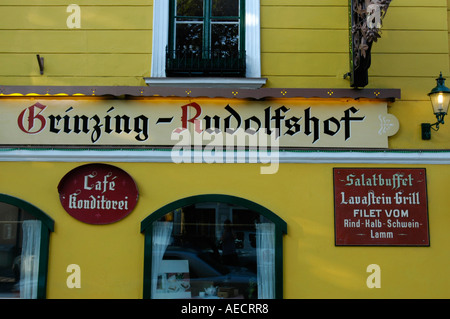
column 427, row 127
column 426, row 131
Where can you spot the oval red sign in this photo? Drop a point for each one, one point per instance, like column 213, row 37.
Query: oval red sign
column 98, row 193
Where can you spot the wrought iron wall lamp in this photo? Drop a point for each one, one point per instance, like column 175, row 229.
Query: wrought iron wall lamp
column 440, row 98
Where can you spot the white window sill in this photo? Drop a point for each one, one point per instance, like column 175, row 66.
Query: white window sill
column 205, row 82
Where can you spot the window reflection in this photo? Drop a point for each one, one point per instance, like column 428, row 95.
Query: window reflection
column 213, row 250
column 225, row 38
column 189, row 8
column 221, row 8
column 189, row 37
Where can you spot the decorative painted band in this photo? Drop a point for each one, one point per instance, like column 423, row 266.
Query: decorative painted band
column 145, row 91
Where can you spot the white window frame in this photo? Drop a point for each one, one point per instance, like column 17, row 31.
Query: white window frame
column 252, row 47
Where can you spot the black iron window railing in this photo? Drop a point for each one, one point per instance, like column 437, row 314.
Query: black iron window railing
column 205, row 63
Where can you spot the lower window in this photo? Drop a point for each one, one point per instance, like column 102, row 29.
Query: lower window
column 20, row 239
column 212, row 250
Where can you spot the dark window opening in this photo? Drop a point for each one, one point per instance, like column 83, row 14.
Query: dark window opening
column 206, row 38
column 212, row 252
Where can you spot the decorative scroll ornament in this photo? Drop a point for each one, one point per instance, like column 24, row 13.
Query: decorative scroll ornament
column 366, row 20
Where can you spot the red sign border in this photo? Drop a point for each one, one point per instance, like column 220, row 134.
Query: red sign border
column 382, row 245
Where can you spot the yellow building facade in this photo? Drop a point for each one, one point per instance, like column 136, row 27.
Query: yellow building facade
column 87, row 84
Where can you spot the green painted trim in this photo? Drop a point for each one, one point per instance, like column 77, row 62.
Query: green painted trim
column 206, row 28
column 280, row 230
column 33, row 210
column 43, row 262
column 171, row 42
column 47, row 226
column 242, row 27
column 147, row 291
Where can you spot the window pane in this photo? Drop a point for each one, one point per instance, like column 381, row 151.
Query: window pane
column 189, row 37
column 225, row 37
column 11, row 243
column 213, row 250
column 189, row 8
column 225, row 8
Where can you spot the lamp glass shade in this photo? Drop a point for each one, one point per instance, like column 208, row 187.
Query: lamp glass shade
column 440, row 102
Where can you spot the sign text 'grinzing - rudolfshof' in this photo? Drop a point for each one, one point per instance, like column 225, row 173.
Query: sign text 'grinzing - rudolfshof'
column 161, row 122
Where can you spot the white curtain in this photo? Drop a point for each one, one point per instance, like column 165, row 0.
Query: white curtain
column 30, row 259
column 162, row 232
column 265, row 256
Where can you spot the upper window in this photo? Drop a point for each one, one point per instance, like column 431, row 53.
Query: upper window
column 24, row 234
column 206, row 38
column 206, row 43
